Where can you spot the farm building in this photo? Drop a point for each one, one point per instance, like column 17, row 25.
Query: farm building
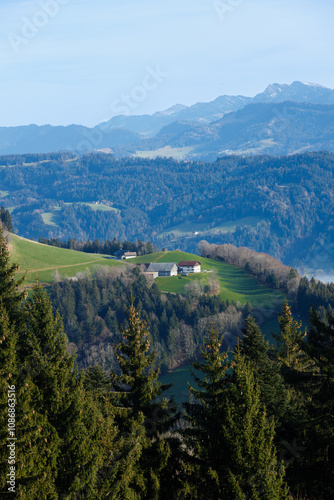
column 122, row 255
column 166, row 269
column 190, row 266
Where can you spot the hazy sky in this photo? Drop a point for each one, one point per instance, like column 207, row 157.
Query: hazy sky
column 79, row 61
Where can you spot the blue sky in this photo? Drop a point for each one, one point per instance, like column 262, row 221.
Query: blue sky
column 78, row 61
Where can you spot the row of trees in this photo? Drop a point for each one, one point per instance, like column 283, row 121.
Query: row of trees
column 303, row 292
column 97, row 246
column 263, row 267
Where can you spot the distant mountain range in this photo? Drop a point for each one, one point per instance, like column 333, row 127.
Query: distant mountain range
column 281, row 120
column 277, row 129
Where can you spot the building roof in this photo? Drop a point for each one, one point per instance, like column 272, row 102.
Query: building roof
column 189, row 263
column 161, row 267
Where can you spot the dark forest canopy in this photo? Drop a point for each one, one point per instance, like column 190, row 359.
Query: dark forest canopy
column 278, row 205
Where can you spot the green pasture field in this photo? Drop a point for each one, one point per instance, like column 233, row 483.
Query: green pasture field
column 235, row 284
column 41, row 260
column 49, row 219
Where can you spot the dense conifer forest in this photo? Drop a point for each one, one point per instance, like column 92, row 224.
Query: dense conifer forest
column 258, row 423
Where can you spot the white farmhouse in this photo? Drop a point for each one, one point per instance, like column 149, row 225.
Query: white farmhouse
column 190, row 266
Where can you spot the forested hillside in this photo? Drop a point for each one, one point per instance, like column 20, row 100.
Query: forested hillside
column 258, row 423
column 282, row 206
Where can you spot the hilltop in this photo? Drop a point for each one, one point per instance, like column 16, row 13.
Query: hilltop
column 50, row 264
column 235, row 284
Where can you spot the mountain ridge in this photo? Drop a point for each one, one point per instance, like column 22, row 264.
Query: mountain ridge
column 126, row 135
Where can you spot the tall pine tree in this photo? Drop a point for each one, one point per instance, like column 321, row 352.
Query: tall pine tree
column 43, row 347
column 317, row 473
column 36, row 441
column 255, row 350
column 10, row 295
column 251, row 470
column 204, row 459
column 138, row 396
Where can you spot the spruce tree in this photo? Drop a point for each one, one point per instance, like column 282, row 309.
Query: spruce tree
column 250, row 468
column 290, row 340
column 203, row 462
column 231, row 453
column 298, row 370
column 255, row 350
column 6, row 219
column 36, row 441
column 10, row 295
column 43, row 347
column 317, row 473
column 137, row 395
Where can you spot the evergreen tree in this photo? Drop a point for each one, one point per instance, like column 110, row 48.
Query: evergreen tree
column 290, row 339
column 230, row 441
column 317, row 474
column 9, row 287
column 36, row 444
column 96, row 379
column 6, row 219
column 203, row 463
column 298, row 370
column 251, row 470
column 138, row 397
column 255, row 350
column 43, row 346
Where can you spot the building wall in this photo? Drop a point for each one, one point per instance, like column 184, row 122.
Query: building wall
column 168, row 273
column 191, row 269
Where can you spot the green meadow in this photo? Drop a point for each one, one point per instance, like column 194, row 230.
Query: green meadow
column 43, row 261
column 235, row 284
column 36, row 259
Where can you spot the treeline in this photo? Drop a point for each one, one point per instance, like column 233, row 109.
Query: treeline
column 94, row 306
column 303, row 292
column 263, row 267
column 97, row 246
column 259, row 423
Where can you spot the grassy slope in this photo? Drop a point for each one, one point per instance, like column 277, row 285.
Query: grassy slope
column 43, row 261
column 235, row 284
